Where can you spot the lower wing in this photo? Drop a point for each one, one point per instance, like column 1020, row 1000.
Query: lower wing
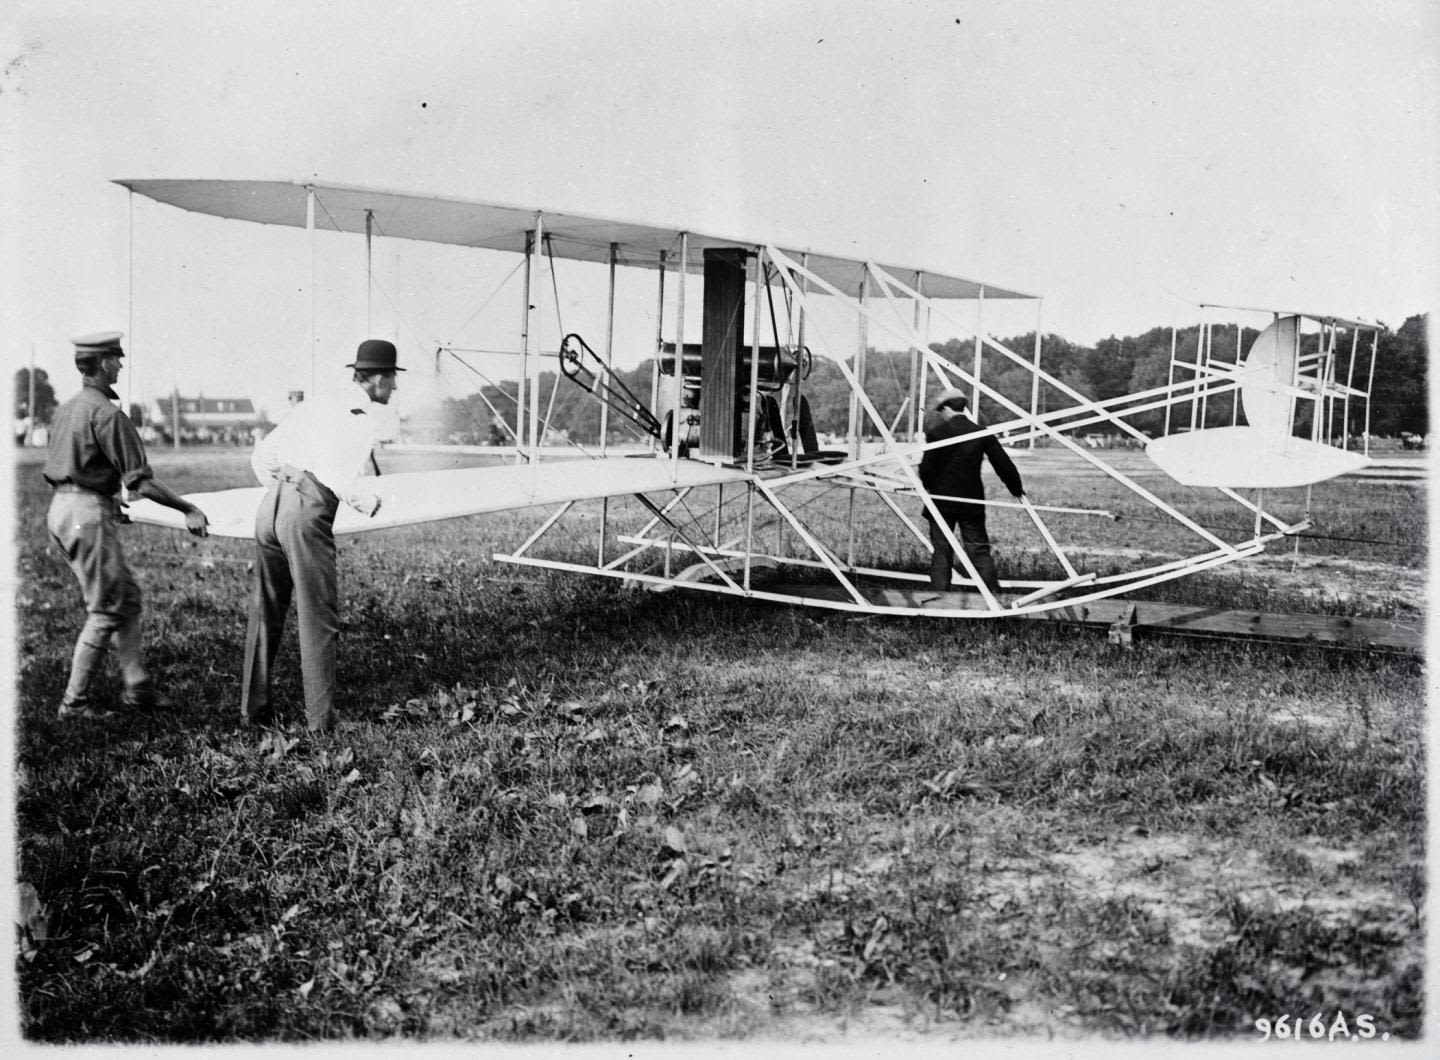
column 426, row 496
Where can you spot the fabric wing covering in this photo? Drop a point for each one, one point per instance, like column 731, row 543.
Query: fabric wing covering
column 493, row 226
column 425, row 496
column 1249, row 458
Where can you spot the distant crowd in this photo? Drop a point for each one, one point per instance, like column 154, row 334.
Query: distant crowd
column 246, row 436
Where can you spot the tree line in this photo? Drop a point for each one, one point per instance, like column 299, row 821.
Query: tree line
column 1111, row 368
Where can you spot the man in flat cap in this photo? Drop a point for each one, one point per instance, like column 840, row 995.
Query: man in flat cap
column 317, row 458
column 951, row 474
column 94, row 450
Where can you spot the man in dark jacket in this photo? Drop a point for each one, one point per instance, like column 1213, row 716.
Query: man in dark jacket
column 951, row 474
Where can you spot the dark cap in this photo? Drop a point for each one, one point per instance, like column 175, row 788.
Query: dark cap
column 101, row 344
column 375, row 355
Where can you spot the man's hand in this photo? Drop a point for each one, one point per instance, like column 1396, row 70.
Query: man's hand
column 196, row 523
column 364, row 500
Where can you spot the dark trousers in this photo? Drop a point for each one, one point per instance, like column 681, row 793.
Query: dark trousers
column 969, row 522
column 294, row 556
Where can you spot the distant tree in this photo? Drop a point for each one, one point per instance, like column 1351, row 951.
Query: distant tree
column 1413, row 353
column 45, row 402
column 829, row 396
column 1109, row 366
column 887, row 383
column 1059, row 358
column 1398, row 399
column 469, row 418
column 1150, row 369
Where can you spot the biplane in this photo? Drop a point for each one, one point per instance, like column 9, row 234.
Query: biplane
column 732, row 483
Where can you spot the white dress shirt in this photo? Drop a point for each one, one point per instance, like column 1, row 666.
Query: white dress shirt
column 332, row 437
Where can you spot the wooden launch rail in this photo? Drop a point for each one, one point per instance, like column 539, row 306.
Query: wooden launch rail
column 1124, row 617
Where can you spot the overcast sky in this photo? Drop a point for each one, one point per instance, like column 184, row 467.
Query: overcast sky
column 1124, row 159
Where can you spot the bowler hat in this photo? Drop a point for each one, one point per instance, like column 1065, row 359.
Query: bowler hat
column 101, row 344
column 375, row 355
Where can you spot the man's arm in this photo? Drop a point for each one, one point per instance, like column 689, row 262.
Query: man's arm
column 350, row 461
column 160, row 493
column 1004, row 466
column 121, row 444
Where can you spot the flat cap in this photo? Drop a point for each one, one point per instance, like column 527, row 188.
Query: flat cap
column 950, row 397
column 100, row 344
column 942, row 407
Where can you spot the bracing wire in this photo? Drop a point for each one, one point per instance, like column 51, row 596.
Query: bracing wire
column 498, row 288
column 512, row 398
column 478, row 374
column 1306, row 535
column 392, row 303
column 464, row 408
column 395, row 308
column 770, row 298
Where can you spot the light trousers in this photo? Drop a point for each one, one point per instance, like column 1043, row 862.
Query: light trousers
column 86, row 529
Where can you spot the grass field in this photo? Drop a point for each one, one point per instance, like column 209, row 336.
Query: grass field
column 563, row 809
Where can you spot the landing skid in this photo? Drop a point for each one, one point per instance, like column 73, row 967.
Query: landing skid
column 1122, row 618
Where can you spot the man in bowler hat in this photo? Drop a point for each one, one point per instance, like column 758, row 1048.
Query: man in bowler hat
column 319, row 457
column 94, row 451
column 953, row 471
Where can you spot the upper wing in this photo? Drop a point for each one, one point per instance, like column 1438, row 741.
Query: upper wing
column 425, row 496
column 497, row 226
